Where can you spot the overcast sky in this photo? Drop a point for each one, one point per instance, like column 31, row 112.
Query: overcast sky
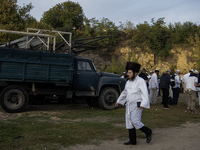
column 136, row 11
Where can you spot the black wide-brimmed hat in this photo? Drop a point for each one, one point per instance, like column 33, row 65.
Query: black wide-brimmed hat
column 133, row 66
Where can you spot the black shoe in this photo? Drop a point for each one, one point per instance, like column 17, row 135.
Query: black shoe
column 129, row 143
column 148, row 133
column 166, row 107
column 149, row 136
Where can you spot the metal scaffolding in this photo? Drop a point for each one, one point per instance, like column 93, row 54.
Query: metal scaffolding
column 39, row 35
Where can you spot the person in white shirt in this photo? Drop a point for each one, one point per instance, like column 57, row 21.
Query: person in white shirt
column 124, row 76
column 150, row 74
column 135, row 96
column 176, row 88
column 153, row 87
column 184, row 79
column 191, row 84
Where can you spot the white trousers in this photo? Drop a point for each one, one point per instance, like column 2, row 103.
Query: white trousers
column 153, row 96
column 133, row 116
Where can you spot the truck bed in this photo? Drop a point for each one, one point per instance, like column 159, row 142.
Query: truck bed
column 34, row 66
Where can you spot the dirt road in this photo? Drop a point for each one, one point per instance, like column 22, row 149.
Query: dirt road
column 185, row 137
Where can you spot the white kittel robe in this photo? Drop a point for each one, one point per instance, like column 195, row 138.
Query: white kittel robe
column 134, row 91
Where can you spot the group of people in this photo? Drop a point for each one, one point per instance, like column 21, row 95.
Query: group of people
column 170, row 85
column 141, row 90
column 170, row 82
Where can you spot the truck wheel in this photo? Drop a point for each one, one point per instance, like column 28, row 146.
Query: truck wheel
column 108, row 98
column 14, row 99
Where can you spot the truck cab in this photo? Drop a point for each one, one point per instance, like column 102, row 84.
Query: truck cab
column 96, row 86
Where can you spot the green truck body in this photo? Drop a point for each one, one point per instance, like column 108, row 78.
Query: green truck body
column 34, row 66
column 26, row 74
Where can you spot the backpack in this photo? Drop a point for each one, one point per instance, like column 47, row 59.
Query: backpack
column 172, row 79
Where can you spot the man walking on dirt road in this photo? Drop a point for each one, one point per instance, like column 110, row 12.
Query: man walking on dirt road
column 135, row 95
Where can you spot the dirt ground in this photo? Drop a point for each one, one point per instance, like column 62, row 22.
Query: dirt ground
column 184, row 137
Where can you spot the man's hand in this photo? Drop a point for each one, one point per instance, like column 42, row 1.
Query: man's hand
column 116, row 104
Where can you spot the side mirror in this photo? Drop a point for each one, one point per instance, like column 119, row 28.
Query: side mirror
column 105, row 67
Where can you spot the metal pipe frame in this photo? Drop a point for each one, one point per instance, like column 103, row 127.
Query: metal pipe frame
column 59, row 33
column 38, row 35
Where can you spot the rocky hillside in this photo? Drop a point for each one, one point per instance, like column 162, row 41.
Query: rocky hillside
column 181, row 58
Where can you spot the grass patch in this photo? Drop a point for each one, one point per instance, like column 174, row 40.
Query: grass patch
column 65, row 126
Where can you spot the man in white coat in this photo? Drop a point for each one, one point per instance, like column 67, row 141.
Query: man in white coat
column 192, row 83
column 153, row 87
column 184, row 79
column 135, row 95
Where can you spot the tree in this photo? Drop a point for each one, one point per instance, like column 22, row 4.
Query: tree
column 181, row 32
column 142, row 37
column 64, row 16
column 13, row 17
column 156, row 37
column 96, row 28
column 160, row 39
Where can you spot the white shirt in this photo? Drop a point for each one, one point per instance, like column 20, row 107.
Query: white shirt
column 135, row 91
column 184, row 79
column 153, row 82
column 190, row 83
column 177, row 81
column 149, row 77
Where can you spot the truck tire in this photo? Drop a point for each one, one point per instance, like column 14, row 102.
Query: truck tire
column 108, row 98
column 14, row 99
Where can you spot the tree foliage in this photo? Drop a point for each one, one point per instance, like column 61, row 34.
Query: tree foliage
column 155, row 36
column 64, row 16
column 13, row 17
column 182, row 31
column 96, row 28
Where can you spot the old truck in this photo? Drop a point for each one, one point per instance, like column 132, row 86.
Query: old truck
column 27, row 74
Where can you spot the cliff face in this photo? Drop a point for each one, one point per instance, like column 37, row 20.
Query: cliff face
column 181, row 58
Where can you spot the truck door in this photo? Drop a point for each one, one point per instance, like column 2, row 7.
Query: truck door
column 86, row 78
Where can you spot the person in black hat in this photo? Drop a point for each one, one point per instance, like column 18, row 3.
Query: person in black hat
column 143, row 75
column 135, row 95
column 164, row 85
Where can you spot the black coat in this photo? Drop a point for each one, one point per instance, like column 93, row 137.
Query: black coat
column 165, row 81
column 144, row 76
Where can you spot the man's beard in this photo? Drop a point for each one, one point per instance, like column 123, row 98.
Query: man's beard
column 133, row 77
